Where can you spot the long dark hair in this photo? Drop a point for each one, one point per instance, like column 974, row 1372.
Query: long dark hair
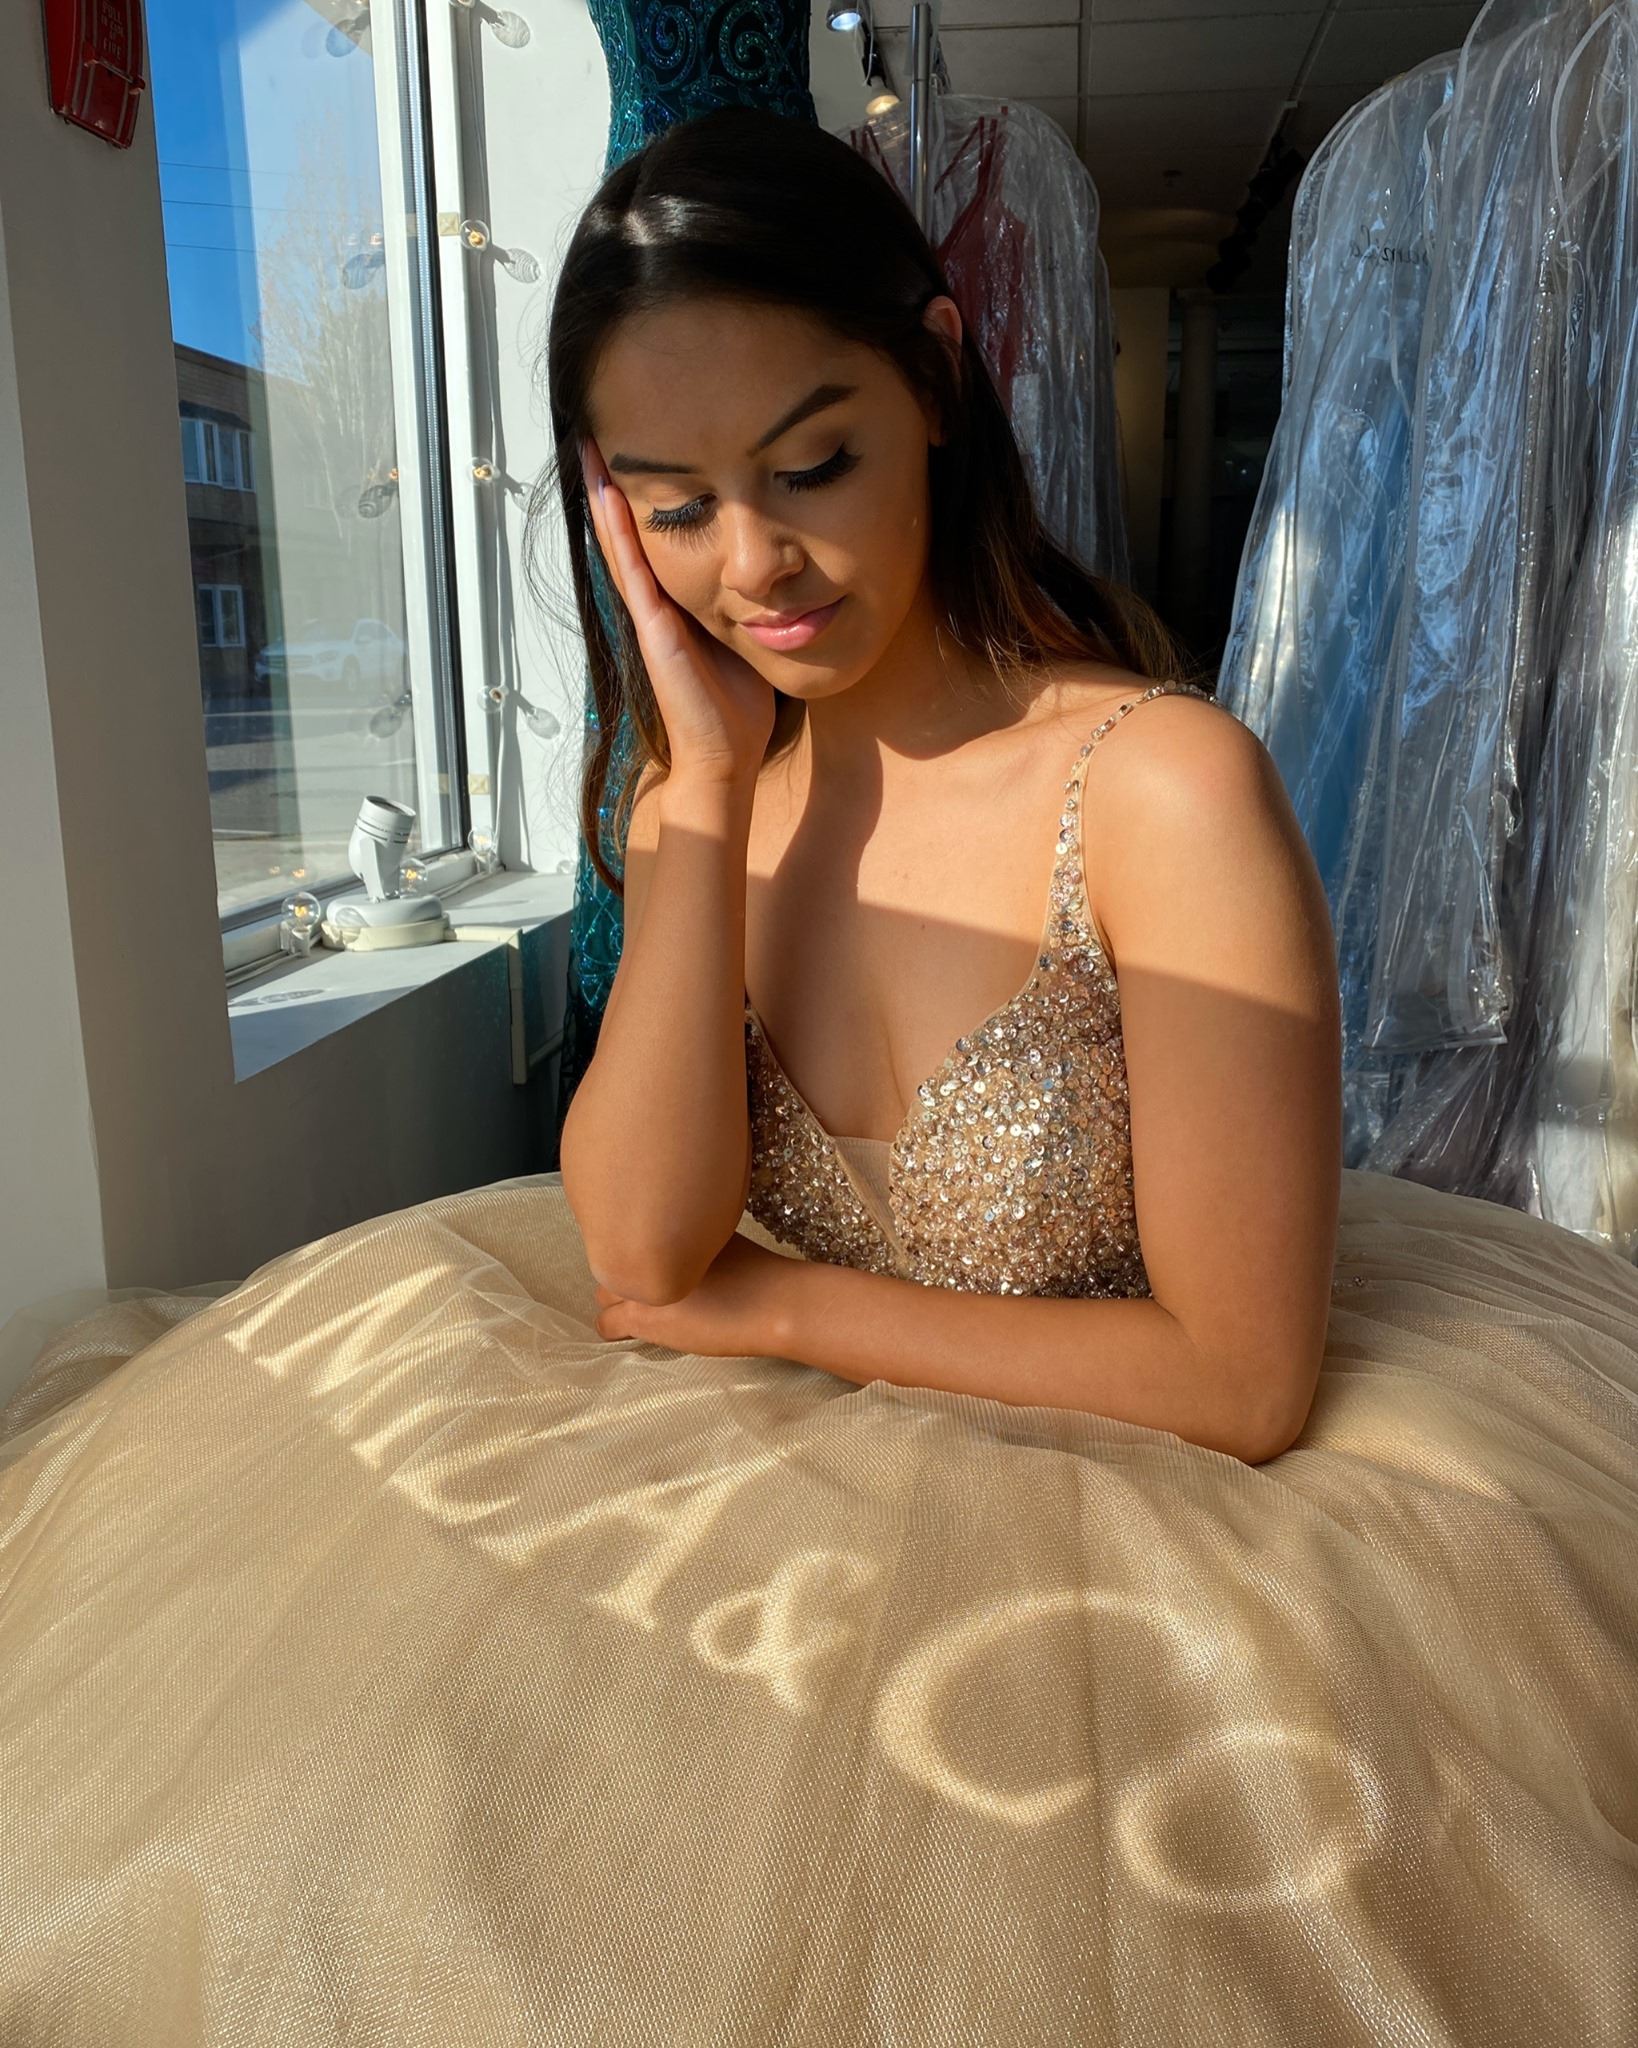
column 749, row 205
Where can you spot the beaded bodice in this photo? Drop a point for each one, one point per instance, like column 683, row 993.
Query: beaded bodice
column 1012, row 1174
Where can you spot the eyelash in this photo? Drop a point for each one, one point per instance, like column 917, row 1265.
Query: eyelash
column 683, row 518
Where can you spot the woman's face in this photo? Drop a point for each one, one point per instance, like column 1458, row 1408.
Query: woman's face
column 746, row 509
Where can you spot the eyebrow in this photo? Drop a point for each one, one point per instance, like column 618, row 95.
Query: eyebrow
column 818, row 400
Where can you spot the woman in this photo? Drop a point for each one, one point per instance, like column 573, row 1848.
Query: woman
column 485, row 1625
column 797, row 422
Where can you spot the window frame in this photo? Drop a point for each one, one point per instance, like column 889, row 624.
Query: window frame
column 412, row 55
column 217, row 593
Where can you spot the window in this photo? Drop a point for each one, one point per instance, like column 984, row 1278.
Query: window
column 221, row 610
column 301, row 250
column 213, row 453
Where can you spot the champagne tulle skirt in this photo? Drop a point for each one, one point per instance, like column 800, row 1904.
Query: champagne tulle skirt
column 385, row 1659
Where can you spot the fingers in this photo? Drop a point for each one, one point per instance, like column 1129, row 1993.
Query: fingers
column 595, row 477
column 617, row 537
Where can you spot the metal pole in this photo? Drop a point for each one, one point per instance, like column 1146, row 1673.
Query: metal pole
column 921, row 98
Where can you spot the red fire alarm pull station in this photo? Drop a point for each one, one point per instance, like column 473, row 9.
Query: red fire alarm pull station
column 94, row 54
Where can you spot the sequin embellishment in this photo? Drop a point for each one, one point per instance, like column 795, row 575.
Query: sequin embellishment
column 1012, row 1174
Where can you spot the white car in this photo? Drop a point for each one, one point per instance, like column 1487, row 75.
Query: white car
column 371, row 653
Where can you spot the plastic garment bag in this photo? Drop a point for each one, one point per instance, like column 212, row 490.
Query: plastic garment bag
column 1566, row 1103
column 1543, row 1118
column 1013, row 220
column 1322, row 574
column 1484, row 573
column 1434, row 641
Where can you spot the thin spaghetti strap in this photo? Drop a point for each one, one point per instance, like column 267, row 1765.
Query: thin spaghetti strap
column 1131, row 703
column 1070, row 834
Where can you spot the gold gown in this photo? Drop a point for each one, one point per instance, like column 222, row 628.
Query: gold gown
column 386, row 1659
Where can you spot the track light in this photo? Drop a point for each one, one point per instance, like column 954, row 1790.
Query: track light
column 843, row 15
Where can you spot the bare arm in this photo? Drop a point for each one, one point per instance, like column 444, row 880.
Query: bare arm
column 656, row 1157
column 1230, row 1024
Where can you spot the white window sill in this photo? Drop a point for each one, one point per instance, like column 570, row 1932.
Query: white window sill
column 287, row 1004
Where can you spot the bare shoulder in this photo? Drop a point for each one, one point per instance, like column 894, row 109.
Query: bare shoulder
column 1167, row 742
column 1180, row 786
column 1182, row 756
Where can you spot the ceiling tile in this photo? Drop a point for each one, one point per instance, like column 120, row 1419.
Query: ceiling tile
column 1192, row 121
column 1100, row 11
column 1217, row 55
column 985, row 13
column 993, row 62
column 1369, row 44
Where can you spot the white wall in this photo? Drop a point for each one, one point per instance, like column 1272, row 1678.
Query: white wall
column 50, row 1220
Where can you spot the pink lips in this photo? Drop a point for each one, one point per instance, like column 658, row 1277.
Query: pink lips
column 799, row 631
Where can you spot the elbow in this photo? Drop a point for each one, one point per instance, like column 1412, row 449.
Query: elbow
column 632, row 1271
column 1283, row 1419
column 653, row 1290
column 656, row 1281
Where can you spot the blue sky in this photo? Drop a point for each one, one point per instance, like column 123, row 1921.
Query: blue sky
column 237, row 86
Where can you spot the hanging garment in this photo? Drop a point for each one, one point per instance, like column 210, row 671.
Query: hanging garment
column 668, row 64
column 1569, row 1121
column 1495, row 423
column 1013, row 220
column 1322, row 574
column 1556, row 1087
column 387, row 1661
column 1431, row 646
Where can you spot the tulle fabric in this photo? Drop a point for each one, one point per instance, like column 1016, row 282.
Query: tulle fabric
column 385, row 1658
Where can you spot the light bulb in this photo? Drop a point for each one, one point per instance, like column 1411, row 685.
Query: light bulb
column 412, row 873
column 882, row 103
column 299, row 924
column 475, row 234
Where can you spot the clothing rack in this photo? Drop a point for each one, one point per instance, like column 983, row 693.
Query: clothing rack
column 921, row 96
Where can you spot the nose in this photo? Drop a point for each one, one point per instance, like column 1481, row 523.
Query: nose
column 757, row 556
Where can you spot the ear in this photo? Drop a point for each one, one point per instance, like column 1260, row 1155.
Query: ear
column 943, row 316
